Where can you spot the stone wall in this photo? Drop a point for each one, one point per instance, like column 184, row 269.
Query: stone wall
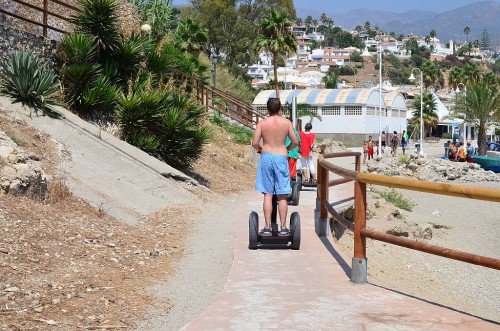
column 12, row 41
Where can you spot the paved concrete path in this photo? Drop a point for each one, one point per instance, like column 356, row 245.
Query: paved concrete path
column 309, row 289
column 106, row 171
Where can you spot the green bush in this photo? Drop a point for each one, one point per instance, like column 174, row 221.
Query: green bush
column 397, row 199
column 29, row 82
column 241, row 135
column 164, row 124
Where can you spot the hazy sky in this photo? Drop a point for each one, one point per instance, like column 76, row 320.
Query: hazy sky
column 398, row 6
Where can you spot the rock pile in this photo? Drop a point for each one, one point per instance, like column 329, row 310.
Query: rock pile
column 433, row 170
column 20, row 171
column 331, row 146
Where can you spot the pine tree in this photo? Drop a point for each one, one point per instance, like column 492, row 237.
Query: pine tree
column 485, row 41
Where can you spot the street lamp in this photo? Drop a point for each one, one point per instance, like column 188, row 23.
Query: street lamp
column 465, row 108
column 412, row 78
column 354, row 70
column 379, row 149
column 215, row 59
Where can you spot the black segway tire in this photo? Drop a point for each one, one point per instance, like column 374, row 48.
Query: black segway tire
column 299, row 180
column 295, row 194
column 253, row 230
column 295, row 230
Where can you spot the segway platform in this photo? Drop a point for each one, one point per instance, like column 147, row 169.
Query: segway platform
column 256, row 239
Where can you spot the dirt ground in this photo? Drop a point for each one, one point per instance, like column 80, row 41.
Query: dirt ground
column 68, row 265
column 461, row 224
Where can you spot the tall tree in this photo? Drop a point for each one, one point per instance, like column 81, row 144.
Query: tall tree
column 456, row 76
column 430, row 73
column 485, row 42
column 429, row 115
column 483, row 106
column 275, row 35
column 190, row 37
column 466, row 32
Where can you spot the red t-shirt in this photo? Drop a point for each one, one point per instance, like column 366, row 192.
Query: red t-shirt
column 306, row 141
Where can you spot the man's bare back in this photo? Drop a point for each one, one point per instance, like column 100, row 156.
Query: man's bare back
column 273, row 131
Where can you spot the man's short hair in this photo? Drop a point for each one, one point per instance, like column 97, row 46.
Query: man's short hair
column 308, row 126
column 273, row 106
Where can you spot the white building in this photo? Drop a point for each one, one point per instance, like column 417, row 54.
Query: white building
column 348, row 115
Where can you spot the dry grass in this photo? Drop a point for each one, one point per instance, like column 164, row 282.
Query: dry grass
column 78, row 268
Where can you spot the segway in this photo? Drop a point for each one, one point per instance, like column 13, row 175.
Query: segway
column 257, row 239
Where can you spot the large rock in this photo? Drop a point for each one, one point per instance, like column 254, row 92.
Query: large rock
column 331, row 146
column 435, row 170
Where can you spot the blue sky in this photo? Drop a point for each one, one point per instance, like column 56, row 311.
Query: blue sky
column 398, row 6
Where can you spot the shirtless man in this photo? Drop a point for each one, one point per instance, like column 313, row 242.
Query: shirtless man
column 273, row 174
column 370, row 148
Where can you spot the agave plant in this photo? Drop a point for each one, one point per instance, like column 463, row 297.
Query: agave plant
column 98, row 19
column 77, row 48
column 29, row 82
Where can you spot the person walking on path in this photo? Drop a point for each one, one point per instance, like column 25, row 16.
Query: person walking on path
column 307, row 140
column 365, row 151
column 293, row 155
column 370, row 148
column 273, row 174
column 382, row 143
column 404, row 141
column 394, row 143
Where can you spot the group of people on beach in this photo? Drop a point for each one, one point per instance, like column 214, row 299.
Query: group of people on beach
column 457, row 152
column 394, row 141
column 282, row 146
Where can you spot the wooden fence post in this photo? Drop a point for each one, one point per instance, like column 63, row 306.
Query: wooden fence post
column 359, row 267
column 322, row 223
column 45, row 18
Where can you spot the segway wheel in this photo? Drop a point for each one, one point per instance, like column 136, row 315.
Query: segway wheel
column 299, row 180
column 295, row 194
column 253, row 230
column 295, row 230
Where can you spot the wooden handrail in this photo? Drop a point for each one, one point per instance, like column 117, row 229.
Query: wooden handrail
column 359, row 227
column 45, row 11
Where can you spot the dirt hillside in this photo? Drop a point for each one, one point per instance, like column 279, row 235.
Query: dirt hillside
column 65, row 263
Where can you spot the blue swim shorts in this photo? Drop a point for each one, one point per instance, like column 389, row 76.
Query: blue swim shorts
column 404, row 144
column 273, row 174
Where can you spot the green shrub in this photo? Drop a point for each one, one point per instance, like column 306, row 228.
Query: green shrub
column 241, row 135
column 397, row 199
column 164, row 124
column 29, row 82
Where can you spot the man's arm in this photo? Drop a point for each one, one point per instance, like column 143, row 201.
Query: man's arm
column 256, row 138
column 293, row 138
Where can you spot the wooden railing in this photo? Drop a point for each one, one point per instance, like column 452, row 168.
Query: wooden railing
column 358, row 227
column 215, row 99
column 46, row 11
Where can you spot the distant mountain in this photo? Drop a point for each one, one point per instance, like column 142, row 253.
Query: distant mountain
column 448, row 25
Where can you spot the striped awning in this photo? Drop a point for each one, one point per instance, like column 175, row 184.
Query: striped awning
column 318, row 96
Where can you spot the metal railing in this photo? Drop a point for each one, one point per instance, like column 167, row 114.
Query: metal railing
column 47, row 11
column 215, row 99
column 358, row 227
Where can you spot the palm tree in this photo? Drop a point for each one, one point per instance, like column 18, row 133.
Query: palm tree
column 427, row 40
column 433, row 34
column 471, row 73
column 456, row 76
column 191, row 37
column 429, row 116
column 483, row 105
column 466, row 32
column 276, row 36
column 430, row 73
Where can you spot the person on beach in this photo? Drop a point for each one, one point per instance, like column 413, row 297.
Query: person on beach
column 404, row 141
column 273, row 173
column 394, row 143
column 365, row 151
column 470, row 153
column 307, row 140
column 461, row 153
column 383, row 138
column 370, row 144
